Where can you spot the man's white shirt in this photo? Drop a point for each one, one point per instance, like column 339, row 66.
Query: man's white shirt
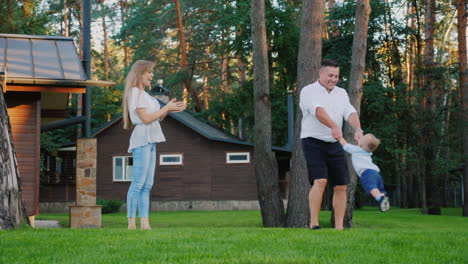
column 336, row 104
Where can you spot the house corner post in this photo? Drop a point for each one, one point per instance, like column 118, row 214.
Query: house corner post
column 86, row 214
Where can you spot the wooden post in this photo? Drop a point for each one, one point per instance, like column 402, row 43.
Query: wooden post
column 4, row 85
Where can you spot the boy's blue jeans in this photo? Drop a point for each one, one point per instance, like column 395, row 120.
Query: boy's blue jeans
column 371, row 179
column 144, row 163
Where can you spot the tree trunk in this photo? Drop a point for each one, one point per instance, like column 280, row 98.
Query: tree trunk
column 182, row 46
column 334, row 28
column 463, row 79
column 420, row 177
column 66, row 22
column 79, row 97
column 308, row 65
column 104, row 31
column 266, row 168
column 206, row 91
column 225, row 74
column 410, row 48
column 433, row 182
column 9, row 19
column 184, row 61
column 405, row 175
column 12, row 208
column 395, row 70
column 242, row 81
column 27, row 9
column 358, row 65
column 124, row 14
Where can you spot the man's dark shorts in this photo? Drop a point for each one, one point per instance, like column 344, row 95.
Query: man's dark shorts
column 325, row 161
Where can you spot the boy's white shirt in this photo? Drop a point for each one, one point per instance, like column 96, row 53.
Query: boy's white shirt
column 360, row 158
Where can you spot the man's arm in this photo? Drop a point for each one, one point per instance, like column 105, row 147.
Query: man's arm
column 325, row 119
column 353, row 121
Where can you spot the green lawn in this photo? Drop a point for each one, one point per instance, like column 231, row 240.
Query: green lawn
column 399, row 236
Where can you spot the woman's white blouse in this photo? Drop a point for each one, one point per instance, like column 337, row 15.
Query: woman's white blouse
column 143, row 134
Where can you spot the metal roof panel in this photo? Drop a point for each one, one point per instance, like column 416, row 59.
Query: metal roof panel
column 3, row 49
column 40, row 57
column 45, row 51
column 71, row 64
column 19, row 58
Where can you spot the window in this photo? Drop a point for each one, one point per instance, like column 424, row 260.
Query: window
column 58, row 165
column 170, row 159
column 123, row 167
column 238, row 157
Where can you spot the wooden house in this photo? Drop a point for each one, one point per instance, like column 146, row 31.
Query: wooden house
column 38, row 73
column 197, row 163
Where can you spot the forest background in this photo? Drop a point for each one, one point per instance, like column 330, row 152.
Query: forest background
column 412, row 87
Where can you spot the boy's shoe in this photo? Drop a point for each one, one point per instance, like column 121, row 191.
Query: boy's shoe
column 384, row 204
column 315, row 227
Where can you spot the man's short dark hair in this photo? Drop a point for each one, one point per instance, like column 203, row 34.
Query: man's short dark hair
column 329, row 63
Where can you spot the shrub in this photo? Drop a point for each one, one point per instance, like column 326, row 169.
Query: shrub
column 109, row 206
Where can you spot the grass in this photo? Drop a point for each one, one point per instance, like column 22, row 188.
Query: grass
column 399, row 236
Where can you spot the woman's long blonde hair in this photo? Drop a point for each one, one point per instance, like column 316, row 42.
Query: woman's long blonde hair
column 133, row 79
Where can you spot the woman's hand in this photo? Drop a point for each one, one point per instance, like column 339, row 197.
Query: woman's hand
column 175, row 106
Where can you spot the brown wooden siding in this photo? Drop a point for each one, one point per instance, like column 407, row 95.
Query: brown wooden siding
column 204, row 174
column 24, row 112
column 110, row 143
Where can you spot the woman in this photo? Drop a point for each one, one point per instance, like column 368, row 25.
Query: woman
column 144, row 113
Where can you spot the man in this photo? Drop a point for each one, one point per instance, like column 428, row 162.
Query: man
column 324, row 106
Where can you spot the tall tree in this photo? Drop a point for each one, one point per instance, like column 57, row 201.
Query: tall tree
column 358, row 65
column 105, row 42
column 185, row 67
column 334, row 28
column 266, row 167
column 22, row 17
column 124, row 16
column 7, row 17
column 463, row 80
column 66, row 21
column 12, row 209
column 308, row 64
column 420, row 172
column 429, row 107
column 27, row 9
column 79, row 97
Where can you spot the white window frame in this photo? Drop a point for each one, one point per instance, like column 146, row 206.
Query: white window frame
column 229, row 154
column 165, row 163
column 124, row 172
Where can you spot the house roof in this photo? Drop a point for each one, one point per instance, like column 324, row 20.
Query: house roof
column 202, row 128
column 42, row 60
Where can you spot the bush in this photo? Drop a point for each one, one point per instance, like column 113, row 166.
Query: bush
column 109, row 206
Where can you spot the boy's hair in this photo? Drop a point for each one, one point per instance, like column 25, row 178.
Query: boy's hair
column 329, row 63
column 374, row 142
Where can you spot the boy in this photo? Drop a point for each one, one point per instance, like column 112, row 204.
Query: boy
column 369, row 173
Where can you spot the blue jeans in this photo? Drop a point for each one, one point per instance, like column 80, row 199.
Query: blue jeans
column 144, row 163
column 371, row 179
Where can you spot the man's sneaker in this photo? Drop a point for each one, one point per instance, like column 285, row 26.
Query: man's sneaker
column 315, row 227
column 384, row 204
